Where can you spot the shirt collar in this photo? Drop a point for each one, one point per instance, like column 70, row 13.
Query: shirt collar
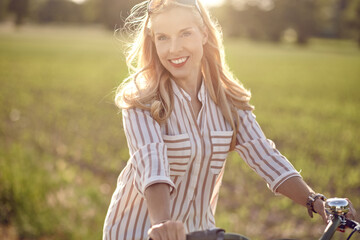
column 182, row 94
column 202, row 92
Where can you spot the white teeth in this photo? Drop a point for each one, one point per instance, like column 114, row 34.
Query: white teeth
column 179, row 61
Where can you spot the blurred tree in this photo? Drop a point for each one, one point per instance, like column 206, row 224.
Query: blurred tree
column 256, row 20
column 338, row 17
column 227, row 15
column 35, row 6
column 351, row 21
column 60, row 11
column 253, row 18
column 241, row 18
column 299, row 15
column 3, row 9
column 356, row 23
column 20, row 8
column 335, row 18
column 91, row 11
column 113, row 12
column 325, row 16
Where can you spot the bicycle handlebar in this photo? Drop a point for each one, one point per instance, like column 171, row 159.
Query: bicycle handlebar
column 213, row 234
column 339, row 222
column 335, row 207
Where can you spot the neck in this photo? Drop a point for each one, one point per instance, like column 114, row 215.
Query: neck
column 191, row 85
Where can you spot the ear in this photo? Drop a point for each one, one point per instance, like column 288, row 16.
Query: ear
column 205, row 35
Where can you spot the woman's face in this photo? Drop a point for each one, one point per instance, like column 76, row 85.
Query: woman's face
column 179, row 42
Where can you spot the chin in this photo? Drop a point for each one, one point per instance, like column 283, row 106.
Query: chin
column 178, row 75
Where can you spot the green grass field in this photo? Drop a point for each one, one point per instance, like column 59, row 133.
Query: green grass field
column 62, row 145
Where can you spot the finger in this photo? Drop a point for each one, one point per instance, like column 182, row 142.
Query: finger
column 167, row 231
column 154, row 235
column 171, row 230
column 180, row 230
column 324, row 216
column 352, row 212
column 157, row 232
column 350, row 216
column 181, row 235
column 319, row 206
column 171, row 233
column 163, row 232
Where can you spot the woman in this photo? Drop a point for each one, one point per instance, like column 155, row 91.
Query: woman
column 183, row 112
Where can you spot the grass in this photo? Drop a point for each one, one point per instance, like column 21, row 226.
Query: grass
column 62, row 144
column 307, row 102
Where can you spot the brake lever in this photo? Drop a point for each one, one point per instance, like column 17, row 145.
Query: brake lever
column 352, row 224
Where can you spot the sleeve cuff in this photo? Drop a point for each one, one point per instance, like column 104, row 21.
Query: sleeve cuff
column 159, row 179
column 281, row 179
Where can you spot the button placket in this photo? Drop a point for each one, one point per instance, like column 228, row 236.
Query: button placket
column 198, row 140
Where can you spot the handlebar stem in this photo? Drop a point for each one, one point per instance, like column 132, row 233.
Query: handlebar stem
column 334, row 223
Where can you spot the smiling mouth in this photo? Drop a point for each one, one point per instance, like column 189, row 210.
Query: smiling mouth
column 178, row 62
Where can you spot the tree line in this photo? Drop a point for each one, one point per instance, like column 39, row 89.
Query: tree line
column 270, row 20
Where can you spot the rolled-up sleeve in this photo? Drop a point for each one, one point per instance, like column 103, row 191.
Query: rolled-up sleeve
column 148, row 156
column 261, row 154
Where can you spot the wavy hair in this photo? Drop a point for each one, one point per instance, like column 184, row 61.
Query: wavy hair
column 148, row 86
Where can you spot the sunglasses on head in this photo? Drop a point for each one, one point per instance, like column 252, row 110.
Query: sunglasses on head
column 155, row 5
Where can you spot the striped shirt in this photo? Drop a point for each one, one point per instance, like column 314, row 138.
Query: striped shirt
column 189, row 154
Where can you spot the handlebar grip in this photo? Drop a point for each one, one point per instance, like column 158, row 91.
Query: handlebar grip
column 213, row 234
column 234, row 236
column 210, row 234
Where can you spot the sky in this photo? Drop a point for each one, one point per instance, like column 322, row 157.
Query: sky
column 206, row 2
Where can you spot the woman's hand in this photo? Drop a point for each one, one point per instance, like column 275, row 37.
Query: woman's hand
column 319, row 207
column 169, row 230
column 352, row 212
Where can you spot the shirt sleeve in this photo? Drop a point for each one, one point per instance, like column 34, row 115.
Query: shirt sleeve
column 261, row 154
column 148, row 156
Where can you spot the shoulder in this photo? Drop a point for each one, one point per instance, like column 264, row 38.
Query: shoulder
column 135, row 92
column 245, row 113
column 126, row 112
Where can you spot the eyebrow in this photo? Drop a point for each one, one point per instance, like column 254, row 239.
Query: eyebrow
column 182, row 30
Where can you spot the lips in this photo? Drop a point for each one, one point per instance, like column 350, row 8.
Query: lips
column 178, row 62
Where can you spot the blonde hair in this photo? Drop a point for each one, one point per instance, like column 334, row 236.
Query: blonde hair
column 148, row 86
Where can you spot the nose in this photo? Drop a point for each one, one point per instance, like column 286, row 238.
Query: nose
column 175, row 46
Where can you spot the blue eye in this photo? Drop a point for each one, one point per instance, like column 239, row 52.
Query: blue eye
column 186, row 34
column 161, row 38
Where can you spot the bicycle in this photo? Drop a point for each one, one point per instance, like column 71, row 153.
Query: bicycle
column 335, row 207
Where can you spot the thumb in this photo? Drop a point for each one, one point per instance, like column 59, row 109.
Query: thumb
column 319, row 207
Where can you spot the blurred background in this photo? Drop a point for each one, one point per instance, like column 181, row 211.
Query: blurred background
column 62, row 144
column 295, row 20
